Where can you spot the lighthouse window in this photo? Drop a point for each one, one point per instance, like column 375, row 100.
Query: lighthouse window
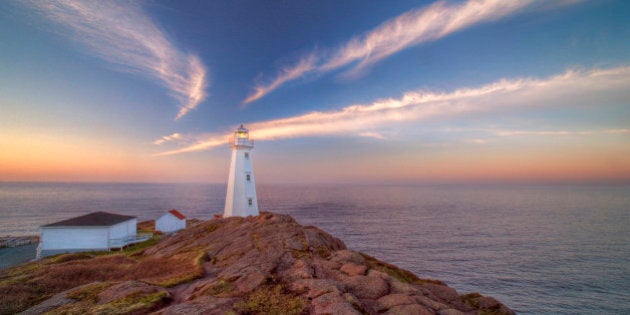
column 247, row 155
column 249, row 201
column 248, row 177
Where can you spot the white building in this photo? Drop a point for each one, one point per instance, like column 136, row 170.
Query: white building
column 240, row 199
column 170, row 222
column 94, row 231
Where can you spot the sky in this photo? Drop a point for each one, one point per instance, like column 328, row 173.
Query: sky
column 332, row 91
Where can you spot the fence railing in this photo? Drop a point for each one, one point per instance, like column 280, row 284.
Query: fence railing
column 15, row 241
column 131, row 239
column 242, row 142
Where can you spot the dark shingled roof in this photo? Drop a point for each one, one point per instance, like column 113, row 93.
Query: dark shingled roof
column 93, row 219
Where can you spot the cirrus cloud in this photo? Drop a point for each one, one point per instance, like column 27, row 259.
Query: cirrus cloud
column 563, row 90
column 122, row 34
column 411, row 28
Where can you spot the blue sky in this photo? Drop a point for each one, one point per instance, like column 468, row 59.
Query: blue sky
column 334, row 91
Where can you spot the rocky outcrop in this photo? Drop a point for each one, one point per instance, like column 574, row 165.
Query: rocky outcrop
column 266, row 265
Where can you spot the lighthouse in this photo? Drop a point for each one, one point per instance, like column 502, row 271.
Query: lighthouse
column 240, row 200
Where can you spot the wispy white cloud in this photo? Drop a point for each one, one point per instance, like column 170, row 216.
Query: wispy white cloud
column 418, row 26
column 305, row 65
column 617, row 131
column 121, row 33
column 372, row 134
column 206, row 143
column 411, row 28
column 573, row 87
column 492, row 135
column 478, row 141
column 169, row 138
column 510, row 133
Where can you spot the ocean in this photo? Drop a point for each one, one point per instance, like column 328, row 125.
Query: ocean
column 540, row 249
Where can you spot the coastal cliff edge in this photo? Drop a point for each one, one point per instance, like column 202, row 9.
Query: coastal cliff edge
column 267, row 264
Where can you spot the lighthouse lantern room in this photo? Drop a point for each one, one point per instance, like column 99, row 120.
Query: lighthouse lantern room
column 240, row 199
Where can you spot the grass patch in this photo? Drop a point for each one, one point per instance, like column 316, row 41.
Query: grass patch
column 202, row 258
column 24, row 286
column 301, row 254
column 76, row 308
column 18, row 297
column 18, row 274
column 239, row 220
column 272, row 300
column 256, row 242
column 322, row 251
column 135, row 303
column 69, row 257
column 471, row 299
column 139, row 247
column 88, row 293
column 19, row 270
column 401, row 274
column 219, row 289
column 184, row 271
column 16, row 292
column 213, row 226
column 171, row 282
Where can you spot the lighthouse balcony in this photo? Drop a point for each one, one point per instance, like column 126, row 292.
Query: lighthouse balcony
column 242, row 142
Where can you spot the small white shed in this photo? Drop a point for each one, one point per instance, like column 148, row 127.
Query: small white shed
column 170, row 222
column 94, row 231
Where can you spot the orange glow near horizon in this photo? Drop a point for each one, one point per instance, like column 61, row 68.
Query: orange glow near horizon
column 88, row 167
column 468, row 164
column 49, row 158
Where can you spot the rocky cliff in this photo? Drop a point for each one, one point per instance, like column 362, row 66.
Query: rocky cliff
column 257, row 265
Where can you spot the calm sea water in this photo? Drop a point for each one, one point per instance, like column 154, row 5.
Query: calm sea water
column 538, row 249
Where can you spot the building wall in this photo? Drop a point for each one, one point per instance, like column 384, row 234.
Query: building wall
column 123, row 229
column 132, row 227
column 169, row 223
column 62, row 238
column 85, row 237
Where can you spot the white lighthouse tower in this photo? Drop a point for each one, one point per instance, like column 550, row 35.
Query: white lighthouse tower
column 240, row 199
